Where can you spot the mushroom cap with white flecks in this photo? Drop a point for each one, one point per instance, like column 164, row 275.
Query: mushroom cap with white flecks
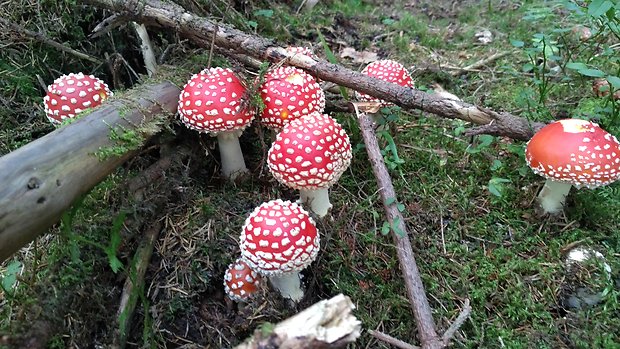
column 279, row 237
column 301, row 50
column 386, row 70
column 289, row 93
column 211, row 102
column 310, row 153
column 575, row 151
column 70, row 94
column 240, row 281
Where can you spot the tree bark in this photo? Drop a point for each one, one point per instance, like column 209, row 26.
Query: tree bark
column 205, row 33
column 411, row 275
column 326, row 324
column 43, row 178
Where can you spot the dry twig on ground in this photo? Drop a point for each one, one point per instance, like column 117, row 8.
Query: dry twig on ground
column 205, row 32
column 411, row 275
column 47, row 41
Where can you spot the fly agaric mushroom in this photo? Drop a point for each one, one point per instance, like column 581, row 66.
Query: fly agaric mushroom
column 240, row 281
column 289, row 93
column 279, row 239
column 310, row 154
column 572, row 152
column 386, row 70
column 301, row 50
column 211, row 102
column 70, row 94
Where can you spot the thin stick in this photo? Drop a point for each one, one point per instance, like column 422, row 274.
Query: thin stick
column 460, row 320
column 44, row 39
column 481, row 63
column 134, row 284
column 413, row 282
column 391, row 340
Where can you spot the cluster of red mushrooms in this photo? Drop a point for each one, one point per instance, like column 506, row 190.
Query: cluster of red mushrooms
column 311, row 151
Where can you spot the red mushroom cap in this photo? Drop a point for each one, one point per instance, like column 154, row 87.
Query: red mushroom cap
column 279, row 237
column 240, row 281
column 301, row 50
column 386, row 70
column 575, row 151
column 70, row 94
column 310, row 153
column 211, row 102
column 289, row 93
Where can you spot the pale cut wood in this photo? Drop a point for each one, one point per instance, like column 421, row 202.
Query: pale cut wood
column 40, row 180
column 326, row 324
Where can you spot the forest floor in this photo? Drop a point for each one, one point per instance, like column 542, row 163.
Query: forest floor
column 468, row 201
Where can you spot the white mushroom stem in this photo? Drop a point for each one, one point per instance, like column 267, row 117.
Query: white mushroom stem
column 230, row 153
column 553, row 195
column 317, row 200
column 289, row 285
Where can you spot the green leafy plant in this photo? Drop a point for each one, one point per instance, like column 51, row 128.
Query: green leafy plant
column 8, row 279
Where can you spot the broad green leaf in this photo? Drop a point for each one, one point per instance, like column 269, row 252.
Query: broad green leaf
column 598, row 8
column 390, row 201
column 614, row 81
column 592, row 72
column 517, row 43
column 576, row 66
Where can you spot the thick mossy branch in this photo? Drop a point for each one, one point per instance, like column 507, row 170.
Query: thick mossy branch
column 206, row 33
column 43, row 178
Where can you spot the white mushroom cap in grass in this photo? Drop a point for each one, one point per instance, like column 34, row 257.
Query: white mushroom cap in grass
column 386, row 70
column 240, row 281
column 310, row 154
column 572, row 152
column 279, row 239
column 70, row 94
column 211, row 102
column 289, row 93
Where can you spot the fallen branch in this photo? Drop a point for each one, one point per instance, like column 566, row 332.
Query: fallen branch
column 411, row 275
column 134, row 284
column 42, row 179
column 326, row 324
column 391, row 340
column 204, row 32
column 480, row 63
column 47, row 41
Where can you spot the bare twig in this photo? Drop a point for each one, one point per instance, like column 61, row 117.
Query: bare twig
column 134, row 284
column 202, row 31
column 480, row 63
column 47, row 41
column 391, row 340
column 411, row 275
column 460, row 320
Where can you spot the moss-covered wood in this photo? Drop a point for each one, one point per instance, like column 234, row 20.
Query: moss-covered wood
column 43, row 178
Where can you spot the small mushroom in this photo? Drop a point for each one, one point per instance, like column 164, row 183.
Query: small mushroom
column 602, row 87
column 240, row 281
column 279, row 239
column 289, row 93
column 211, row 102
column 572, row 152
column 310, row 154
column 70, row 94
